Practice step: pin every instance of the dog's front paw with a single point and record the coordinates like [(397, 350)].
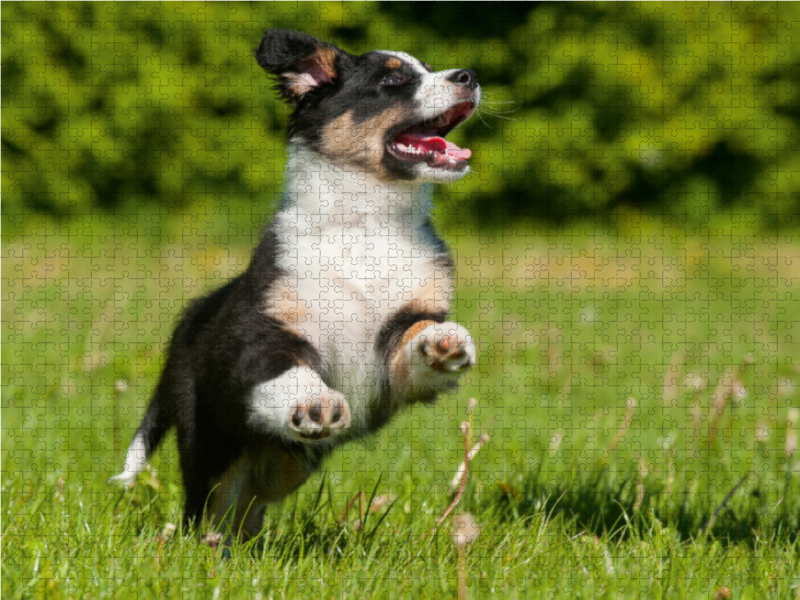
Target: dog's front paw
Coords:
[(440, 354), (448, 351), (318, 417)]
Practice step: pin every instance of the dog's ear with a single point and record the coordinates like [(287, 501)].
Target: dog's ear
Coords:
[(300, 62)]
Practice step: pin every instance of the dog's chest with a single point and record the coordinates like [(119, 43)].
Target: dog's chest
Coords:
[(344, 276)]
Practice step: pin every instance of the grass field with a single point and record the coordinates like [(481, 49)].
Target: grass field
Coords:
[(638, 384)]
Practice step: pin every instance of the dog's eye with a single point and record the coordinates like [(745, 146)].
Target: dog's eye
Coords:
[(394, 79)]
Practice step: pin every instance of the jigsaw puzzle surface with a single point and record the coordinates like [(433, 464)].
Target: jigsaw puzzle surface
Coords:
[(508, 308)]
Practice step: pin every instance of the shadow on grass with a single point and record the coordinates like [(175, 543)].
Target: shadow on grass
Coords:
[(607, 505), (319, 526)]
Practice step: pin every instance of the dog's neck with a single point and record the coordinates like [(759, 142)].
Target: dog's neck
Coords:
[(315, 186)]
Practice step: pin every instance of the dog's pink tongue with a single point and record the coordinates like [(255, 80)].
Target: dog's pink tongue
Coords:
[(453, 150), (433, 144)]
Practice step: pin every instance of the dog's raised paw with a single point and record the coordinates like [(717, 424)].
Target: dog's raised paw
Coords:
[(446, 348), (320, 416)]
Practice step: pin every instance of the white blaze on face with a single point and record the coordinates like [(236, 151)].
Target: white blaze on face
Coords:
[(436, 93)]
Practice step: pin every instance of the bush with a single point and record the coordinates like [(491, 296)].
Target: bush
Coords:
[(686, 109)]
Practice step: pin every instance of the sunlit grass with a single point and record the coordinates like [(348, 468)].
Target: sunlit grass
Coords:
[(638, 385)]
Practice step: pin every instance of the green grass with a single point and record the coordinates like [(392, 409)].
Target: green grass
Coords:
[(629, 378)]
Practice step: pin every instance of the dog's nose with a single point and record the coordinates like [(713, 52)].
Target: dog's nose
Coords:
[(465, 77)]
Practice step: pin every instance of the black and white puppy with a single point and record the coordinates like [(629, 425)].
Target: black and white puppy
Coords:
[(341, 318)]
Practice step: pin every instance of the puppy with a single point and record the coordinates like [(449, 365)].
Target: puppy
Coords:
[(341, 318)]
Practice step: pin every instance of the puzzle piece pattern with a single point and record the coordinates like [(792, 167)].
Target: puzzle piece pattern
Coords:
[(623, 362)]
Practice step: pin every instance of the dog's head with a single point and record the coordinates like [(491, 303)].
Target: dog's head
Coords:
[(383, 112)]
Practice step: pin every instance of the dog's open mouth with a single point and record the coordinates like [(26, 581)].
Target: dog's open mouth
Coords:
[(425, 142)]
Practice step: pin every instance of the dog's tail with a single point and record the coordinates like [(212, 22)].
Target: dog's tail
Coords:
[(155, 424)]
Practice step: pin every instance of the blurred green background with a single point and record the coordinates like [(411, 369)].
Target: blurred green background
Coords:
[(681, 110)]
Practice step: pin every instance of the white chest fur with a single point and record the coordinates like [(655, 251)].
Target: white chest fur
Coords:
[(353, 251)]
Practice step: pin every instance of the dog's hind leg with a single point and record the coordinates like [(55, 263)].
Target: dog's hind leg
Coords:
[(260, 476), (298, 406)]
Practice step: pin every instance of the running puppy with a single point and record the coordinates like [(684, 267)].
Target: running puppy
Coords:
[(341, 318)]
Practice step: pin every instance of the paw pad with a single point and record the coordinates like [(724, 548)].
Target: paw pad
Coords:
[(320, 417), (448, 352)]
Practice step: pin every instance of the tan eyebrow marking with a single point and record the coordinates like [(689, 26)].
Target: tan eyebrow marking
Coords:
[(393, 63)]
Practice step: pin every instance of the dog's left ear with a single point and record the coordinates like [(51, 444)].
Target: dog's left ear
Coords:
[(301, 62)]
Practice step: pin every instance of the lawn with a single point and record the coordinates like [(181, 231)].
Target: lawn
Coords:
[(637, 381)]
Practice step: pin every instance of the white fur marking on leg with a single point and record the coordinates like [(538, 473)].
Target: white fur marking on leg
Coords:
[(135, 460), (298, 405), (272, 402)]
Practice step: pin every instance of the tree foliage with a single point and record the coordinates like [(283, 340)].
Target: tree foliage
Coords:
[(685, 109)]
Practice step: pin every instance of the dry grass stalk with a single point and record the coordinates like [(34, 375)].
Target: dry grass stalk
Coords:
[(211, 539), (359, 496), (166, 534), (723, 593), (378, 503), (709, 525), (466, 429), (471, 406), (484, 439), (465, 531)]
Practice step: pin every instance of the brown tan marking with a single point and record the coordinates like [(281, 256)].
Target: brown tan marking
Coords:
[(324, 59), (228, 494), (283, 304), (264, 476), (399, 369), (346, 142), (393, 63)]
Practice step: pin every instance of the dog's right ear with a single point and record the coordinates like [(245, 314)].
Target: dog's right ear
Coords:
[(301, 62)]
